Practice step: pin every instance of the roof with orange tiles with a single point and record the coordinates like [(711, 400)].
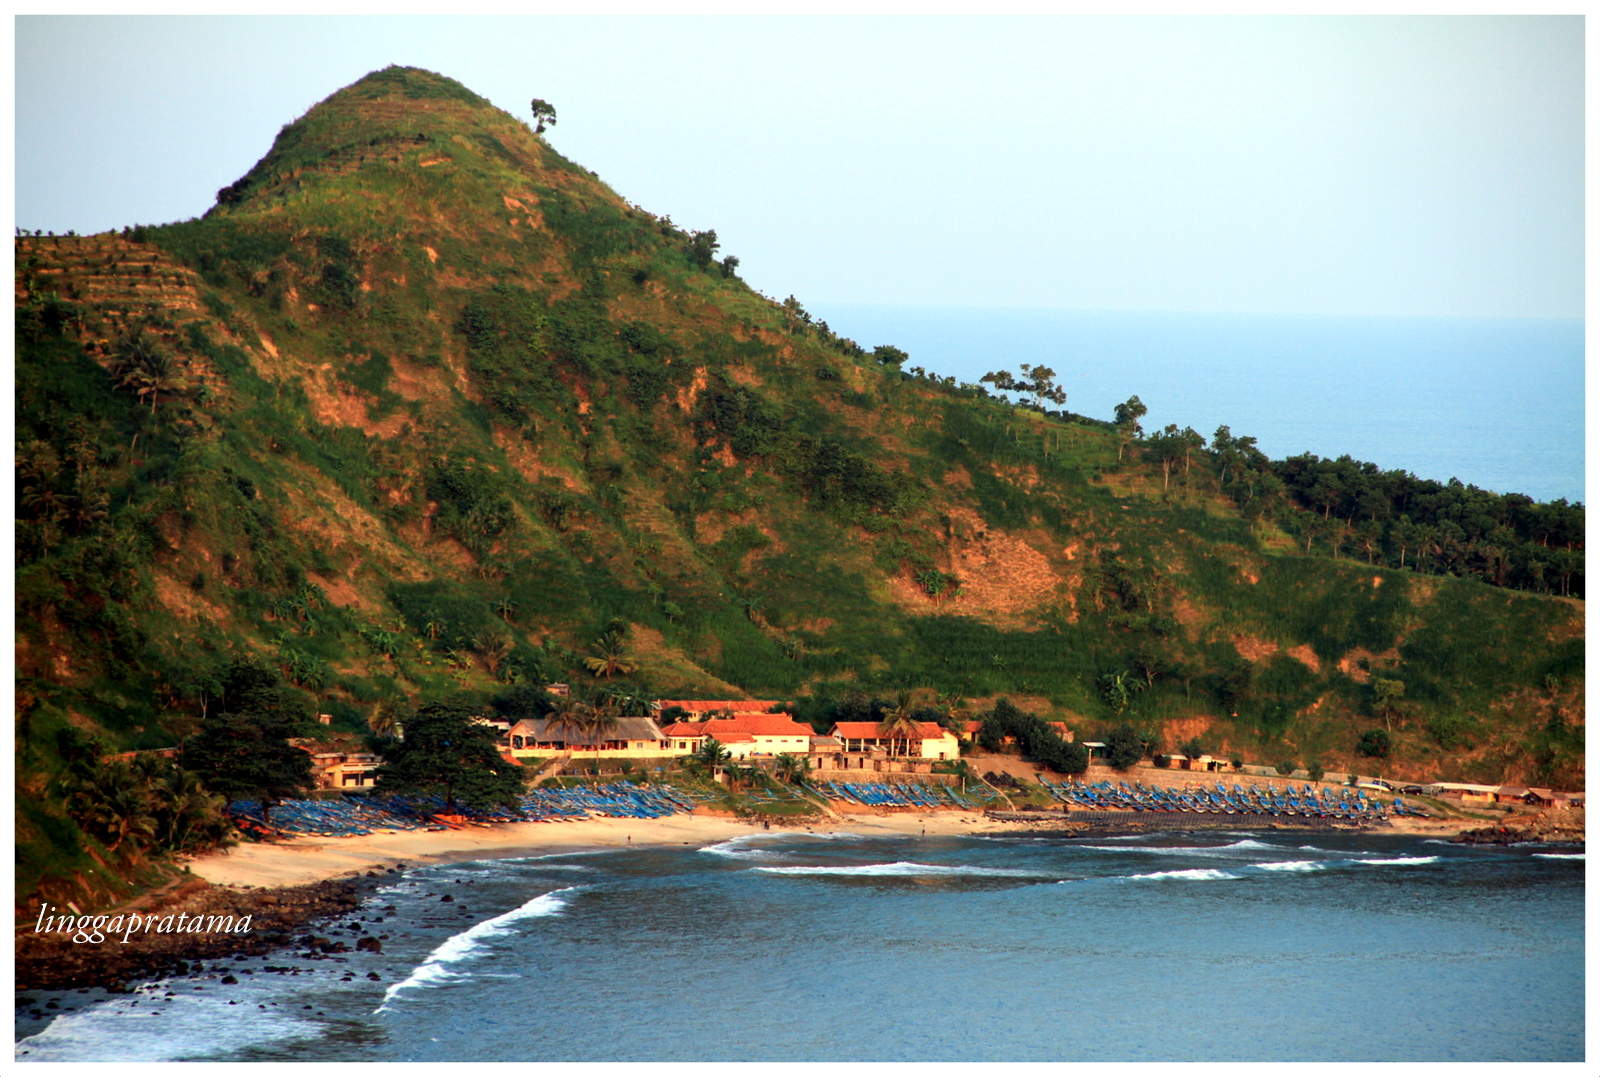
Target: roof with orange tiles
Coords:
[(874, 731), (741, 725)]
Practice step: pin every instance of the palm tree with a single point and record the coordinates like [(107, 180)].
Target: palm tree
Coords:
[(140, 363), (385, 719), (566, 714), (898, 723), (115, 804), (494, 646), (792, 768), (610, 657)]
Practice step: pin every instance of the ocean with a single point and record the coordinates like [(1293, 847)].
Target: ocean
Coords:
[(790, 946), (1494, 402)]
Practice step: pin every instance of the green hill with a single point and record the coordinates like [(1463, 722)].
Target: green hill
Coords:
[(431, 407)]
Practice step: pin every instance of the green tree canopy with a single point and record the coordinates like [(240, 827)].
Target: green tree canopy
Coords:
[(446, 753), (244, 752)]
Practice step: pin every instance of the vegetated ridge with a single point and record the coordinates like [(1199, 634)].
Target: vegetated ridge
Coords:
[(420, 406)]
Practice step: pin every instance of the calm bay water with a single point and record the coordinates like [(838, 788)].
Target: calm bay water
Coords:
[(1495, 402), (792, 946)]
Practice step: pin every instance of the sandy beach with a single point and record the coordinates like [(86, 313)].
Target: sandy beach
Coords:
[(308, 860), (315, 859)]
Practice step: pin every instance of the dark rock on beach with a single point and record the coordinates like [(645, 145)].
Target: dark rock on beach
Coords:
[(52, 961)]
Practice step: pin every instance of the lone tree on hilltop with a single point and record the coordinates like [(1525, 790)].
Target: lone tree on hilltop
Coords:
[(544, 115)]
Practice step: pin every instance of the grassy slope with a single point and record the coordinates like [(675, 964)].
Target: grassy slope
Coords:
[(449, 368)]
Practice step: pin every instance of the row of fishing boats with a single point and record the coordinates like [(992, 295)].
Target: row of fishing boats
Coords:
[(1307, 801), (902, 794), (356, 815)]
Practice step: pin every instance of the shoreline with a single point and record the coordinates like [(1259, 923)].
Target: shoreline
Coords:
[(287, 886), (311, 860)]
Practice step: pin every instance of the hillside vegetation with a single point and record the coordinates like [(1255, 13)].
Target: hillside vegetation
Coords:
[(421, 407)]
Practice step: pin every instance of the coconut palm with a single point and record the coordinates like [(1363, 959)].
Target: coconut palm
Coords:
[(115, 805), (140, 363), (494, 646), (898, 723), (610, 658)]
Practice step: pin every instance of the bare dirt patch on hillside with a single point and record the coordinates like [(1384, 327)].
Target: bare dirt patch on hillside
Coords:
[(184, 601), (1306, 656), (1002, 574), (1252, 649), (1359, 663)]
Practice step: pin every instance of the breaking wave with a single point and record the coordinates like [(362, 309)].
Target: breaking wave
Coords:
[(1559, 856), (459, 947), (904, 868), (1192, 874)]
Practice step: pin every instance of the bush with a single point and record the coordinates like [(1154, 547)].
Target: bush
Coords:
[(1285, 768), (1374, 744), (1159, 759), (1315, 769), (1124, 747)]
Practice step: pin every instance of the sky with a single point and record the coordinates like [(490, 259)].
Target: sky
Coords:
[(1287, 165)]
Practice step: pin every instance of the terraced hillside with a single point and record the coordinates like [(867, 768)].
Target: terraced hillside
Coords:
[(429, 408)]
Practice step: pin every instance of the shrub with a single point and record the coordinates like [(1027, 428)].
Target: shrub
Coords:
[(1315, 769), (1374, 744), (1286, 767)]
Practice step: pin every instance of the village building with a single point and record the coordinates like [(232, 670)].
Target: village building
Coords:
[(1468, 792), (929, 740), (339, 762), (744, 735), (620, 738)]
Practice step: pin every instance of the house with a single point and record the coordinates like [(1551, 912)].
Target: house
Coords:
[(343, 770), (1097, 749), (929, 740), (1547, 798), (1468, 792), (621, 738), (744, 735), (1511, 794)]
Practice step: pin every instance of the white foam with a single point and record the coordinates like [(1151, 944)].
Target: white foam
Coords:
[(1400, 860), (903, 868), (1194, 874), (1292, 865), (1184, 850), (1559, 856), (187, 1026), (459, 947)]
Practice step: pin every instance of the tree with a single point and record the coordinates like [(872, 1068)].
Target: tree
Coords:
[(1127, 416), (703, 248), (1193, 748), (1386, 693), (1124, 747), (139, 362), (1002, 381), (114, 805), (889, 355), (494, 645), (1118, 689), (711, 754), (1041, 383), (611, 654), (1374, 744), (446, 753), (544, 115), (247, 754), (899, 723)]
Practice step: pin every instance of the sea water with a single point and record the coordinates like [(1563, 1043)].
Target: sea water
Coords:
[(1494, 402), (785, 946)]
